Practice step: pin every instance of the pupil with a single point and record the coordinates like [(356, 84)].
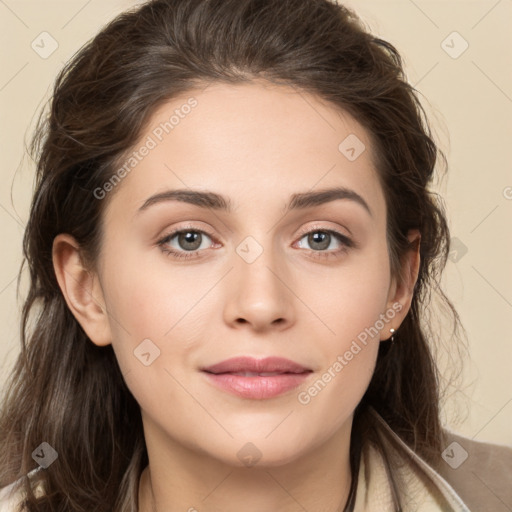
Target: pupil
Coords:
[(320, 238), (190, 238)]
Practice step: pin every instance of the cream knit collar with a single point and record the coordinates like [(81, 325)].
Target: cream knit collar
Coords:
[(424, 490)]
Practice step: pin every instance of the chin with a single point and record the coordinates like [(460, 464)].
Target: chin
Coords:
[(263, 453)]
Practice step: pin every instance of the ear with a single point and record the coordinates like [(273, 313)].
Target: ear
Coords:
[(401, 291), (81, 289)]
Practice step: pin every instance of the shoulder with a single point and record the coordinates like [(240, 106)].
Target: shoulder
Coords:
[(471, 475), (480, 472)]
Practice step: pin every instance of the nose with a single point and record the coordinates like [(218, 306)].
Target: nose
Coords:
[(259, 294)]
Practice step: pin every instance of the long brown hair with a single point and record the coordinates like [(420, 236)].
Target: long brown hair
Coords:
[(70, 393)]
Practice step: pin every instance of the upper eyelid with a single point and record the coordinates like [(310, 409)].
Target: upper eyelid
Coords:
[(318, 227)]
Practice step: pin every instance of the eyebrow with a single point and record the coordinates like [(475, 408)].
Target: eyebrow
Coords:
[(298, 201)]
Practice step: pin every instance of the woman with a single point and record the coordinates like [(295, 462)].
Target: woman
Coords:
[(231, 249)]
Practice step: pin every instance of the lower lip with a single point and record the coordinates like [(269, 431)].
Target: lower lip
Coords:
[(257, 388)]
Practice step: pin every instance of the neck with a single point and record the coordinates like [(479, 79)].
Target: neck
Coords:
[(179, 479)]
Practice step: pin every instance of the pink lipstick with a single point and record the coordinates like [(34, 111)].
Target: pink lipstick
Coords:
[(257, 379)]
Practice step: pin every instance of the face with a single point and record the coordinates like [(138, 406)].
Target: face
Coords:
[(254, 270)]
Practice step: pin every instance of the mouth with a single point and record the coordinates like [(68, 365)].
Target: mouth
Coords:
[(252, 374), (256, 379)]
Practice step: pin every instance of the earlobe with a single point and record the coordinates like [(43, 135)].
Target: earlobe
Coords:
[(401, 293), (81, 290)]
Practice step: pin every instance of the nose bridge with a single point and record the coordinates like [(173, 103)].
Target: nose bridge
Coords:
[(258, 294)]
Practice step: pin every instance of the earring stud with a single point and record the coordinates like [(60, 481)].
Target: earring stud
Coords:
[(392, 331)]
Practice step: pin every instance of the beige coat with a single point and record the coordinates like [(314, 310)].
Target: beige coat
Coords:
[(473, 476)]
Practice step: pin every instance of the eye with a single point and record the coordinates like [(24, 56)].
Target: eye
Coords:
[(185, 243), (322, 239)]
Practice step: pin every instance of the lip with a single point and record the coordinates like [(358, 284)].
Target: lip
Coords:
[(269, 377)]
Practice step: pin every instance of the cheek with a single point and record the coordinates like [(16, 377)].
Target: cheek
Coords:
[(354, 309), (350, 299), (145, 318), (330, 400), (157, 321), (146, 298), (348, 357), (143, 308)]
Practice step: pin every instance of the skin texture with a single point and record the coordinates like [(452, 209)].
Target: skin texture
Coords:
[(256, 144)]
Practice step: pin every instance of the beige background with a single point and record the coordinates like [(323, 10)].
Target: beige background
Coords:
[(468, 98)]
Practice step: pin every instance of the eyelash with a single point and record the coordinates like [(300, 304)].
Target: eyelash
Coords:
[(186, 255)]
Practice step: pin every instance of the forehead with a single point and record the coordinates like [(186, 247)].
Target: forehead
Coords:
[(253, 142)]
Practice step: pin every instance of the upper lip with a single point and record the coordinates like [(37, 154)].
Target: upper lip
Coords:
[(251, 364)]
